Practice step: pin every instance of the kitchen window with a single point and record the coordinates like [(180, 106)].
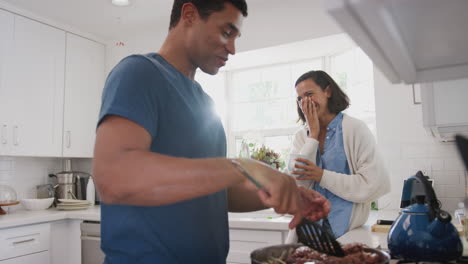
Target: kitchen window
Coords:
[(257, 104)]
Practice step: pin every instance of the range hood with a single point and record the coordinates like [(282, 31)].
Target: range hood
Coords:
[(413, 41)]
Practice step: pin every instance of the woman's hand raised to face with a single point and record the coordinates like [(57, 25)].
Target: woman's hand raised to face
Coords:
[(309, 109)]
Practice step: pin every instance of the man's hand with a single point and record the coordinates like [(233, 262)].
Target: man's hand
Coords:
[(309, 110), (280, 190), (310, 170), (314, 207), (282, 194)]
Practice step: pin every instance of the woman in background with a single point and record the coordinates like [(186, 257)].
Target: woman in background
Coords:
[(343, 164)]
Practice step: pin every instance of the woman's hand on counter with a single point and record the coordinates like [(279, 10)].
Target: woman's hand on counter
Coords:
[(309, 171)]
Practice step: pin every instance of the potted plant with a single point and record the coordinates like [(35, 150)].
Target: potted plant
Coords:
[(267, 156)]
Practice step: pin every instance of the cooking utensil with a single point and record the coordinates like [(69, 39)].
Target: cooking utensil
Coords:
[(248, 176), (312, 234), (319, 237)]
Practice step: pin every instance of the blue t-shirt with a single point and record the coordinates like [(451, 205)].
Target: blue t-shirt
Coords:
[(334, 159), (180, 118)]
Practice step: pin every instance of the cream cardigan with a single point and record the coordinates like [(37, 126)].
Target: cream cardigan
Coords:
[(369, 179)]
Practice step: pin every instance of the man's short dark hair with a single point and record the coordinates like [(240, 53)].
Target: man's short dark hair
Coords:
[(338, 100), (205, 8)]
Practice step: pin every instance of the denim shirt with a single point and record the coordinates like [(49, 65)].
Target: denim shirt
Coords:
[(334, 159)]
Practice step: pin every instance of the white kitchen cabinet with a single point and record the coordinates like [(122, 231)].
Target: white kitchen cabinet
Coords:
[(33, 89), (84, 81), (444, 107), (26, 244), (36, 258), (65, 242), (244, 241), (6, 37)]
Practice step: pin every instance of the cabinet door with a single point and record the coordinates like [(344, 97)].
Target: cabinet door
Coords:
[(84, 81), (24, 240), (6, 37), (35, 85), (37, 258)]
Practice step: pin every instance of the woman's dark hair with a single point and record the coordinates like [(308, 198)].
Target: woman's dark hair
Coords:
[(205, 8), (338, 100)]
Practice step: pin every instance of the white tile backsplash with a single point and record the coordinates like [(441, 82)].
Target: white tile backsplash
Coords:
[(415, 150), (454, 191), (24, 173), (448, 177), (400, 126), (454, 163), (85, 165)]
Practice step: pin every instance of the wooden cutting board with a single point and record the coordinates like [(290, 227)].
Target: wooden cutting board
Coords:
[(380, 228)]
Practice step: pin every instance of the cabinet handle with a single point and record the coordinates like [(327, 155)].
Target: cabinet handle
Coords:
[(4, 131), (23, 241), (68, 136), (15, 136), (91, 238)]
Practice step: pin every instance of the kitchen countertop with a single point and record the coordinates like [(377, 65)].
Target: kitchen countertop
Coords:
[(266, 220), (24, 217), (263, 220), (364, 235)]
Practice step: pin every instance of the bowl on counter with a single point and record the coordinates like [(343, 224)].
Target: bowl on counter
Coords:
[(37, 204)]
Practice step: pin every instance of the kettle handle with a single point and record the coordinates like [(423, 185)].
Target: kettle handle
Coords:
[(434, 207)]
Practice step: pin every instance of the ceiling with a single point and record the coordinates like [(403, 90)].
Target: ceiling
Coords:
[(270, 22), (100, 17)]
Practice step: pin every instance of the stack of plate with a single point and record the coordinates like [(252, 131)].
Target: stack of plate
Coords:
[(70, 204)]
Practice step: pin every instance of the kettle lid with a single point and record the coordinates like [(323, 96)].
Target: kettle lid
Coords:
[(416, 208)]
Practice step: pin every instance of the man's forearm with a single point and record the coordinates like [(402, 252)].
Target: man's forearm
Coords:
[(242, 199), (143, 178)]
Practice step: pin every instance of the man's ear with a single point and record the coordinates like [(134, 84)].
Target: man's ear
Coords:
[(189, 13)]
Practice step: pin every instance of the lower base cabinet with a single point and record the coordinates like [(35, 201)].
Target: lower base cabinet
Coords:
[(37, 258), (25, 244), (244, 241)]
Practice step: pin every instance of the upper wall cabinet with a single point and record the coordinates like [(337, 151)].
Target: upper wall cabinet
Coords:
[(50, 89), (33, 89), (84, 81), (414, 41), (444, 108), (6, 43)]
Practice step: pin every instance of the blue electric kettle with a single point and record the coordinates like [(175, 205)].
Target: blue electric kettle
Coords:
[(422, 231)]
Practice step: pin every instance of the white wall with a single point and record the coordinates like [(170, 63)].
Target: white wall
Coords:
[(407, 147)]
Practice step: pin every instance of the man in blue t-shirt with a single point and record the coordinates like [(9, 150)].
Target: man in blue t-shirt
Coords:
[(159, 161)]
